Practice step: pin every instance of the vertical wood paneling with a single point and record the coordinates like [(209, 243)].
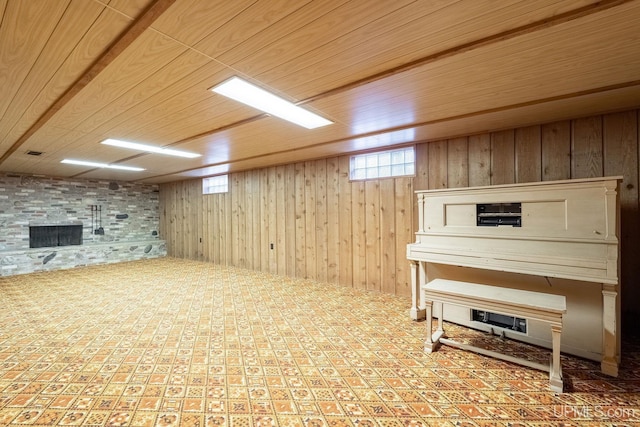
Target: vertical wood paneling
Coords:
[(586, 148), (457, 163), (372, 234), (252, 250), (226, 244), (310, 217), (235, 219), (181, 220), (214, 236), (301, 222), (256, 235), (479, 160), (264, 247), (503, 157), (207, 223), (200, 216), (403, 210), (326, 227), (333, 220), (437, 164), (322, 259), (280, 216), (345, 206), (358, 234), (528, 157), (620, 145), (290, 219), (421, 180), (192, 220), (556, 150), (387, 212), (271, 219)]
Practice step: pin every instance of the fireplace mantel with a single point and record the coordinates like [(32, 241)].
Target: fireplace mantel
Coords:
[(54, 223)]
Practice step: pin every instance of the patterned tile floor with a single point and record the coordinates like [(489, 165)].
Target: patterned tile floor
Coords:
[(171, 342)]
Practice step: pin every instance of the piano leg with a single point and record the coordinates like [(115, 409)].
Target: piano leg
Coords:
[(417, 311), (415, 290), (610, 337)]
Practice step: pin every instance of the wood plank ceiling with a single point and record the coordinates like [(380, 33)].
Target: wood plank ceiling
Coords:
[(75, 72)]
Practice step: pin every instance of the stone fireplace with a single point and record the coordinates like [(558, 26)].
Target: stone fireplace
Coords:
[(46, 235)]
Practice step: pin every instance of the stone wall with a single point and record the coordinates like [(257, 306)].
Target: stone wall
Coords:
[(120, 221)]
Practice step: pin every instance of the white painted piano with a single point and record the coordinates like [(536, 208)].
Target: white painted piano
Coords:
[(555, 237)]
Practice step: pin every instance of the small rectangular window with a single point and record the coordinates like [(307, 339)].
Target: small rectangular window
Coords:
[(383, 164), (215, 184)]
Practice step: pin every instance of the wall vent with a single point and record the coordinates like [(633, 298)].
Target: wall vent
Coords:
[(511, 323)]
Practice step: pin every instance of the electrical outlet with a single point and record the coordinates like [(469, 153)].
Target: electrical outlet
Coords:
[(271, 246)]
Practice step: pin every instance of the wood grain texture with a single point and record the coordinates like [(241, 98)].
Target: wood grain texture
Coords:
[(556, 150), (620, 134), (310, 197), (388, 258), (457, 163), (345, 218), (527, 151), (372, 235), (290, 219), (359, 234), (503, 157), (355, 233), (300, 221), (437, 166), (403, 212), (322, 235), (586, 147), (333, 220), (479, 160), (117, 48)]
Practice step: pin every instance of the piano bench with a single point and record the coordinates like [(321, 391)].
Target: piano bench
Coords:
[(539, 306)]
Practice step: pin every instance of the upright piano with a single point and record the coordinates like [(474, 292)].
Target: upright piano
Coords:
[(554, 237)]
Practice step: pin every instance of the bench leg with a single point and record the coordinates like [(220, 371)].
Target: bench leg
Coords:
[(440, 330), (555, 371), (431, 343)]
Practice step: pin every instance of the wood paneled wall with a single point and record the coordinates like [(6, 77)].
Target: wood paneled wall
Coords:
[(302, 220), (325, 227)]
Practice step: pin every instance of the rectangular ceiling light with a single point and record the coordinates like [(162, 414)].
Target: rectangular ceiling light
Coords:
[(247, 93), (149, 148), (100, 165)]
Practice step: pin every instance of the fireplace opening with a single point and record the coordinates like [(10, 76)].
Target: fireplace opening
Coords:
[(45, 236)]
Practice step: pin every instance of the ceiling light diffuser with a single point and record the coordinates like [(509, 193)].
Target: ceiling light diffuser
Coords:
[(256, 97), (149, 148), (101, 165)]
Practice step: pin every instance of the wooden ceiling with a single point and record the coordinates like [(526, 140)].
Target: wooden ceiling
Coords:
[(75, 72)]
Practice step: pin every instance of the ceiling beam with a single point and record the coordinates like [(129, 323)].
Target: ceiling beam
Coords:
[(475, 44), (139, 26), (594, 91), (466, 47)]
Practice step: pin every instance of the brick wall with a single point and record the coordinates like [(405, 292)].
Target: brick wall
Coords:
[(29, 199), (128, 213)]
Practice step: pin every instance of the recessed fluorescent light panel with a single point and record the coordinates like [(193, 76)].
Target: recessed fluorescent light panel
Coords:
[(149, 148), (252, 95), (100, 165)]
